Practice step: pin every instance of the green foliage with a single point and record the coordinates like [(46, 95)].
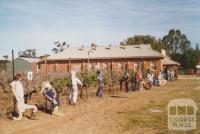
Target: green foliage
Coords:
[(176, 42), (156, 44), (91, 79), (60, 83), (189, 58)]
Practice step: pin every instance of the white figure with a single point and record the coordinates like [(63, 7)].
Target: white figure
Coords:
[(18, 91), (74, 89)]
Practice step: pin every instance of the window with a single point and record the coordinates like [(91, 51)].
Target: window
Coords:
[(77, 67), (105, 66), (93, 66), (55, 67), (152, 66), (98, 66), (39, 66), (90, 67), (136, 66), (120, 66)]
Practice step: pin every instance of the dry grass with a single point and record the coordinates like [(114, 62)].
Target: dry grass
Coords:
[(157, 121), (131, 114)]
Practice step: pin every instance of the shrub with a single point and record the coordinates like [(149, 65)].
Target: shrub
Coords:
[(60, 84)]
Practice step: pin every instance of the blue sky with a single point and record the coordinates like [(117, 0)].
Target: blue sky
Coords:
[(39, 23)]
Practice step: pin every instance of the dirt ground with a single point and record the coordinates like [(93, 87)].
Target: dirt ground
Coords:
[(110, 115)]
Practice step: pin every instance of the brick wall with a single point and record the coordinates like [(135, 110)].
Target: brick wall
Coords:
[(65, 66)]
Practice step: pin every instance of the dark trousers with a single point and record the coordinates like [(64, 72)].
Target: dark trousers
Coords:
[(99, 92), (136, 86)]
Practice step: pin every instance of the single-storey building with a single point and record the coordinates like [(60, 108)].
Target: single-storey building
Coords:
[(23, 65), (167, 61), (103, 57)]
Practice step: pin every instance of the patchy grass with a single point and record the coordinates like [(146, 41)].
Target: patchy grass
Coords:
[(134, 121)]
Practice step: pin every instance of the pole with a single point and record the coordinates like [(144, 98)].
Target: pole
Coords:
[(46, 66), (28, 92), (88, 61), (13, 73), (87, 71), (46, 78), (86, 85), (70, 69), (69, 65), (13, 64), (112, 79)]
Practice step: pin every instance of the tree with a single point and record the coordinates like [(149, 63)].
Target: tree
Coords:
[(5, 57), (175, 42), (30, 53), (156, 44), (59, 47)]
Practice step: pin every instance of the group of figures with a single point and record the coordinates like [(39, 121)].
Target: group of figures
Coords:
[(50, 94), (138, 81)]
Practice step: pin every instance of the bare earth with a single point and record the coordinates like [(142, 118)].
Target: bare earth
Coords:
[(99, 115)]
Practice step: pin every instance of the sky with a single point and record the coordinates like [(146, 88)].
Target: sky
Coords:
[(38, 24)]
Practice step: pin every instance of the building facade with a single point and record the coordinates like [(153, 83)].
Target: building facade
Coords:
[(116, 58), (23, 65)]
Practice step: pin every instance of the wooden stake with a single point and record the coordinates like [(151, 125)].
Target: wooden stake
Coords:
[(46, 66), (13, 71)]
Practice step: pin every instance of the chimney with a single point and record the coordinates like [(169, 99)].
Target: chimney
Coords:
[(93, 46), (110, 46), (81, 47), (123, 46), (163, 52)]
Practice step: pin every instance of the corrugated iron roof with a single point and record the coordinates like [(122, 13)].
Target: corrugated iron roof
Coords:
[(106, 52), (168, 61), (30, 60)]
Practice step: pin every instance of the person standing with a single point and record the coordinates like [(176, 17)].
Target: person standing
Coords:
[(100, 79), (138, 80), (74, 88), (18, 91), (126, 79)]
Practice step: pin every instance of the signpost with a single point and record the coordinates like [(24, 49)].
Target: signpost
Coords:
[(30, 76)]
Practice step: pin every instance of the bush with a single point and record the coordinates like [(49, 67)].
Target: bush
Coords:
[(60, 84), (91, 79)]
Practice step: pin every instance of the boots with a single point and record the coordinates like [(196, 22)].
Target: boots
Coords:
[(56, 112), (18, 118)]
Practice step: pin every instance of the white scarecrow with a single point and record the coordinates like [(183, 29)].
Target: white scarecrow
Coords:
[(18, 91), (74, 89)]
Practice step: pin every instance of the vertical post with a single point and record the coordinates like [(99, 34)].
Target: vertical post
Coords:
[(142, 63), (46, 105), (113, 90), (70, 65), (142, 67), (88, 61), (110, 83), (46, 66), (87, 72), (13, 73), (13, 64), (28, 93)]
